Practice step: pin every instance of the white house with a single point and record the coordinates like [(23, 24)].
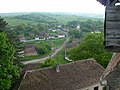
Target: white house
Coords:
[(60, 35), (37, 38), (54, 30)]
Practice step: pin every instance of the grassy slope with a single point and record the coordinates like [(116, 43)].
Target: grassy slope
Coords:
[(59, 58), (13, 21), (59, 18)]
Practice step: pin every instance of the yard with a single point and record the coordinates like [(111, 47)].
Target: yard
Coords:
[(55, 43)]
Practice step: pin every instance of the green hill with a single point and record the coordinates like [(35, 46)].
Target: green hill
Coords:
[(48, 18)]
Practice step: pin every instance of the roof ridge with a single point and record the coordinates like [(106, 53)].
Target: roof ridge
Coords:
[(90, 59), (76, 74)]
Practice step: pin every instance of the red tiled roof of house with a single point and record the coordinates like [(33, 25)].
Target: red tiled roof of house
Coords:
[(115, 60), (71, 76)]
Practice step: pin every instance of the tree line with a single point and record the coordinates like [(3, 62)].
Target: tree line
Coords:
[(9, 70)]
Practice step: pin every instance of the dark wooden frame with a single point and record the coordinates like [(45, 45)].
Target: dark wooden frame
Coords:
[(112, 27)]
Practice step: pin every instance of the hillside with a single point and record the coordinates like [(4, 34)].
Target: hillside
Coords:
[(50, 18)]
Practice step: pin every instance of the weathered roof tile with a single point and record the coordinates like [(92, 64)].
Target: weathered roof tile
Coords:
[(72, 76)]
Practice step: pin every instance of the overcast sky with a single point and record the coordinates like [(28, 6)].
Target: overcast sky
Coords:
[(79, 6)]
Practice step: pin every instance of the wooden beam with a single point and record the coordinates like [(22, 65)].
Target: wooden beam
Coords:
[(114, 2)]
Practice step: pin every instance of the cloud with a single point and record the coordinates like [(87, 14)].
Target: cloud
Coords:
[(82, 6)]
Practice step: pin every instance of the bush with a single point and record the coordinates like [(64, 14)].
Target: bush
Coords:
[(43, 48), (49, 62)]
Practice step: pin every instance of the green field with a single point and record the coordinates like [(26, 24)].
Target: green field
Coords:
[(57, 42), (13, 21), (59, 58), (46, 18), (28, 58)]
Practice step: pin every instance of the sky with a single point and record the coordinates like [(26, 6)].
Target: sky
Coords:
[(74, 6)]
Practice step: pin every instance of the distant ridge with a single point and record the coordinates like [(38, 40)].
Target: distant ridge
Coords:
[(54, 13), (13, 14)]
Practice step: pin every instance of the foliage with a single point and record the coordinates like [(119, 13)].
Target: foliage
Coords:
[(32, 24), (49, 62), (91, 25), (2, 24), (43, 47), (60, 57), (28, 58), (91, 47), (30, 31), (74, 33), (73, 24), (8, 72)]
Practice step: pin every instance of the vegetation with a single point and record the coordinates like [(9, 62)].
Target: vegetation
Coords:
[(12, 21), (60, 57), (32, 25), (75, 33), (91, 47), (43, 48), (56, 43), (8, 71), (30, 31), (3, 24), (28, 58), (49, 62)]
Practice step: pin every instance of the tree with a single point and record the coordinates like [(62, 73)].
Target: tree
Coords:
[(74, 33), (72, 24), (8, 71), (91, 47), (2, 24), (43, 48)]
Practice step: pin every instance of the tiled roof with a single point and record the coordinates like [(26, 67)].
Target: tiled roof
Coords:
[(72, 76), (30, 50), (115, 60), (113, 79)]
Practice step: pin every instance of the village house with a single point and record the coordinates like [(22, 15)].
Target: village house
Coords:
[(60, 35), (51, 37), (96, 31), (37, 38), (30, 50), (111, 76), (79, 75), (21, 38), (54, 30), (20, 54), (78, 27), (43, 35)]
